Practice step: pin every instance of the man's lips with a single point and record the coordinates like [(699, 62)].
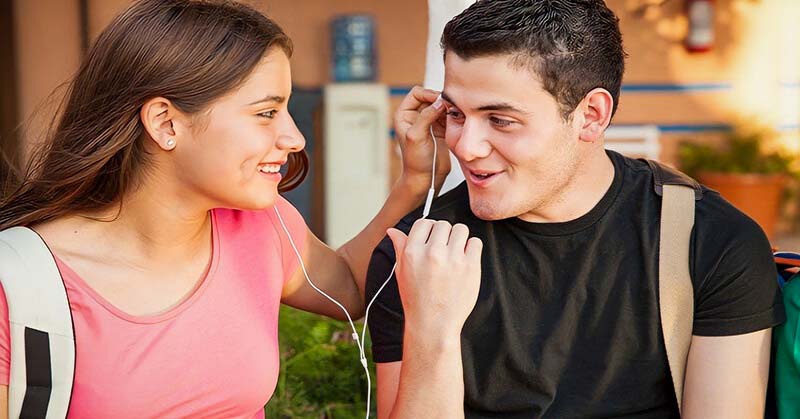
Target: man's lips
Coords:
[(481, 177)]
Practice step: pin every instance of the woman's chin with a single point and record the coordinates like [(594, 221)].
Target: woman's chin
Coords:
[(264, 203), (254, 203)]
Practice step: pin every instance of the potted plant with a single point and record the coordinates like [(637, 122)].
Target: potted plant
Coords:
[(744, 172)]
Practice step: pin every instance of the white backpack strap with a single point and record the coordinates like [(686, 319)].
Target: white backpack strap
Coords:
[(675, 292), (40, 320)]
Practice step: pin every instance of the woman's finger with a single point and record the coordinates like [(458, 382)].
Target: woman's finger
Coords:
[(416, 98), (420, 130)]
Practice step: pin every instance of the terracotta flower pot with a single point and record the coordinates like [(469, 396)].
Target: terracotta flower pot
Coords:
[(757, 195)]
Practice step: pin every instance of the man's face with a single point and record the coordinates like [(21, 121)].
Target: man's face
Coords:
[(516, 151)]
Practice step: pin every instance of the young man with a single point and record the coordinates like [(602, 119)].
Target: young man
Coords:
[(566, 323)]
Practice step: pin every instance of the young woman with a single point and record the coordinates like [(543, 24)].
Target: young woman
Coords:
[(157, 193)]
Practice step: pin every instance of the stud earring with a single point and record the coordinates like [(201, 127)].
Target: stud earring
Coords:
[(170, 143)]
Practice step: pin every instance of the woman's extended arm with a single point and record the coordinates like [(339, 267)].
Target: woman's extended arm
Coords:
[(342, 273)]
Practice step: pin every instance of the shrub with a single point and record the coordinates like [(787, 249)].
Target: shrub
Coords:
[(320, 376)]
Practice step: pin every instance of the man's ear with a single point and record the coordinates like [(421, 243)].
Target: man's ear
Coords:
[(159, 116), (596, 109)]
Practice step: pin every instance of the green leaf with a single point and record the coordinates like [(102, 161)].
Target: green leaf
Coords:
[(320, 375)]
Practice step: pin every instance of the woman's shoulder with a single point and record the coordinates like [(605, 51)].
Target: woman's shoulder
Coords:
[(67, 236)]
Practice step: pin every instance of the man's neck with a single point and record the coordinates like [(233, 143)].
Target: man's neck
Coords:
[(586, 188)]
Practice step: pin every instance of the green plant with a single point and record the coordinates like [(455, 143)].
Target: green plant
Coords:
[(742, 152), (320, 376)]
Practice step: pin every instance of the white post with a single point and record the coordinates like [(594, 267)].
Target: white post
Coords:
[(439, 13)]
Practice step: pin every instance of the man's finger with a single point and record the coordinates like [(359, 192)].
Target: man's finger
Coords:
[(474, 250), (458, 238), (440, 234), (420, 231), (399, 240)]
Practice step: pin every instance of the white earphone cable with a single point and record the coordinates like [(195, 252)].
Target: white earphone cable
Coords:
[(360, 340)]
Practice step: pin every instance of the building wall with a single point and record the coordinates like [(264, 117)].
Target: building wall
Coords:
[(750, 75), (48, 51), (752, 70), (8, 98)]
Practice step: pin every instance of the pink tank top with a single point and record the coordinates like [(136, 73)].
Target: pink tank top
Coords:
[(215, 355)]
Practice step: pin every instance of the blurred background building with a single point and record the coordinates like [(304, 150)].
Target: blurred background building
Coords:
[(697, 70), (710, 73)]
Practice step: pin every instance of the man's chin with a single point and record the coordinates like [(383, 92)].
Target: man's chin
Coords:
[(485, 210)]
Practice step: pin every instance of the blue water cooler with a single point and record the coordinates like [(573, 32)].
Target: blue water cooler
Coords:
[(353, 52)]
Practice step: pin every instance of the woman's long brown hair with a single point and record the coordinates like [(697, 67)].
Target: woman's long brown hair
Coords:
[(188, 51)]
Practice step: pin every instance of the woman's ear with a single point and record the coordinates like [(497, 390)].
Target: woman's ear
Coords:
[(158, 116), (597, 107)]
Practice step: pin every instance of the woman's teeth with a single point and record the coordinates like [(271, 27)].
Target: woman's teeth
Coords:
[(269, 168)]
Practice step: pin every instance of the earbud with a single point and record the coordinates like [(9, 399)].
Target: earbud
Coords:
[(432, 191)]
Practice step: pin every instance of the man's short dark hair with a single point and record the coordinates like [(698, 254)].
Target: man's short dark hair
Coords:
[(573, 46)]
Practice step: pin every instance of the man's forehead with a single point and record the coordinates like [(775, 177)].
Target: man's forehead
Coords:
[(493, 65), (488, 80)]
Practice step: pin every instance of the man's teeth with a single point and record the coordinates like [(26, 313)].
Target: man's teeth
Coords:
[(269, 168)]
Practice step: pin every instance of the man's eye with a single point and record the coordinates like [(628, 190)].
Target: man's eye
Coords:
[(501, 122)]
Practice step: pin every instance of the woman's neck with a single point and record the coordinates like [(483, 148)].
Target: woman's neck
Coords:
[(151, 223)]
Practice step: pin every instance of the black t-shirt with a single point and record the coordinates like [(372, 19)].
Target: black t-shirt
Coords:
[(567, 319)]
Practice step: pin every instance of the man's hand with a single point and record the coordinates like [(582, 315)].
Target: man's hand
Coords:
[(438, 275)]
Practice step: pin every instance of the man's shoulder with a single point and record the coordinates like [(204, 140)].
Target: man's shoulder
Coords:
[(712, 210), (717, 221), (715, 216)]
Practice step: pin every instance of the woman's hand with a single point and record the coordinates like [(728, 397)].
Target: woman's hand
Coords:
[(438, 276), (418, 112)]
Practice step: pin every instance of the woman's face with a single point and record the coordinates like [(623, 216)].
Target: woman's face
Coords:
[(236, 149)]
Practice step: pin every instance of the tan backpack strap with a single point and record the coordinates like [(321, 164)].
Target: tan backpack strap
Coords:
[(675, 292)]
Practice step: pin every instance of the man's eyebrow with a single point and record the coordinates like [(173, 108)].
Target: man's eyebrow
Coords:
[(276, 99), (498, 106), (447, 98)]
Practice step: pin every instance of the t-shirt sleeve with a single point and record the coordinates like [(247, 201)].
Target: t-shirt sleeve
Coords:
[(386, 320), (5, 340), (736, 291), (297, 228)]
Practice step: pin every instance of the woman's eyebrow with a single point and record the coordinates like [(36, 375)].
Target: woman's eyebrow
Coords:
[(276, 99)]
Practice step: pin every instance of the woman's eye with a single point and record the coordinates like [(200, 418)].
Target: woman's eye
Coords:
[(268, 114), (501, 122)]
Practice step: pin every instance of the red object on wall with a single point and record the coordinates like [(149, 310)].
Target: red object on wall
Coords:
[(700, 37)]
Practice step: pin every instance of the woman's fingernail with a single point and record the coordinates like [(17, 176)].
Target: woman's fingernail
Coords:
[(438, 103)]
